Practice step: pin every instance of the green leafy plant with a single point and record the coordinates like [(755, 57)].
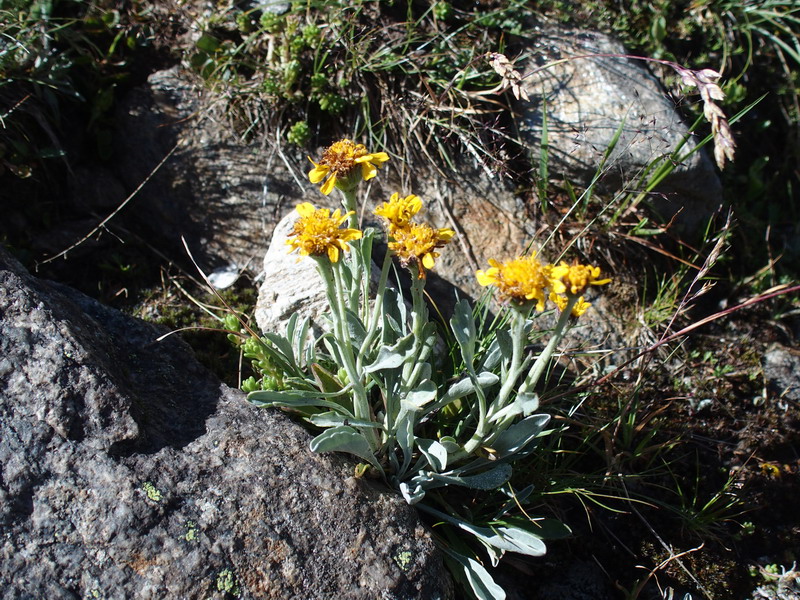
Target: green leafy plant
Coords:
[(374, 383)]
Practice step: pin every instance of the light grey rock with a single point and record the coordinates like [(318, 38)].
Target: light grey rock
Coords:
[(127, 471), (587, 99), (782, 372), (291, 284)]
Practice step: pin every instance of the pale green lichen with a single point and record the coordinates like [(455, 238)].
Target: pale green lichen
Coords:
[(226, 582), (191, 531), (403, 559), (151, 491)]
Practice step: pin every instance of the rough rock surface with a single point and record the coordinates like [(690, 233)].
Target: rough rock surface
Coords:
[(782, 372), (587, 99), (129, 472), (291, 283), (223, 195)]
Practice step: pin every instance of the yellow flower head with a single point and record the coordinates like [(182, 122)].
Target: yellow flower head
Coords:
[(399, 211), (576, 277), (560, 300), (520, 280), (417, 243), (318, 233), (340, 162)]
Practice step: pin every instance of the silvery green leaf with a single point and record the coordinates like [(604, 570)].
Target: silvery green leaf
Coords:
[(391, 357), (434, 452), (365, 246), (291, 325), (344, 439), (488, 480), (506, 537), (493, 355), (332, 347), (464, 387), (505, 342), (495, 554), (411, 493), (295, 398), (463, 325), (420, 396), (450, 444), (482, 584), (520, 438), (334, 419), (283, 345), (425, 371), (404, 428), (355, 328), (391, 324), (299, 336), (524, 404), (394, 311), (520, 540)]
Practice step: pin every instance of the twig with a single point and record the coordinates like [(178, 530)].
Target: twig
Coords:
[(102, 223)]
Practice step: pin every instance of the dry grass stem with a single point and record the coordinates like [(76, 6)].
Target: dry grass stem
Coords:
[(511, 79), (705, 80)]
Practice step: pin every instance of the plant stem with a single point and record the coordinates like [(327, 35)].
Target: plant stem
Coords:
[(516, 367), (419, 316), (541, 361), (332, 277)]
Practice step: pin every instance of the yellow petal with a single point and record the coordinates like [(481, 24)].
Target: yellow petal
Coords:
[(379, 157), (333, 253), (580, 307), (348, 235), (328, 186), (368, 170), (486, 277), (445, 235), (305, 209), (318, 173), (427, 261), (557, 286)]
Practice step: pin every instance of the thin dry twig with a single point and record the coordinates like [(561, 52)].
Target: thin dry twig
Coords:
[(116, 211)]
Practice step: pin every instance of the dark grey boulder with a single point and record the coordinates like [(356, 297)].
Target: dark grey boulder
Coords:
[(129, 472)]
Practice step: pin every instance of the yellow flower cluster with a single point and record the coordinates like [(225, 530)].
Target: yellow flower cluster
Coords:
[(526, 279), (398, 211), (412, 243), (340, 164), (318, 232)]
